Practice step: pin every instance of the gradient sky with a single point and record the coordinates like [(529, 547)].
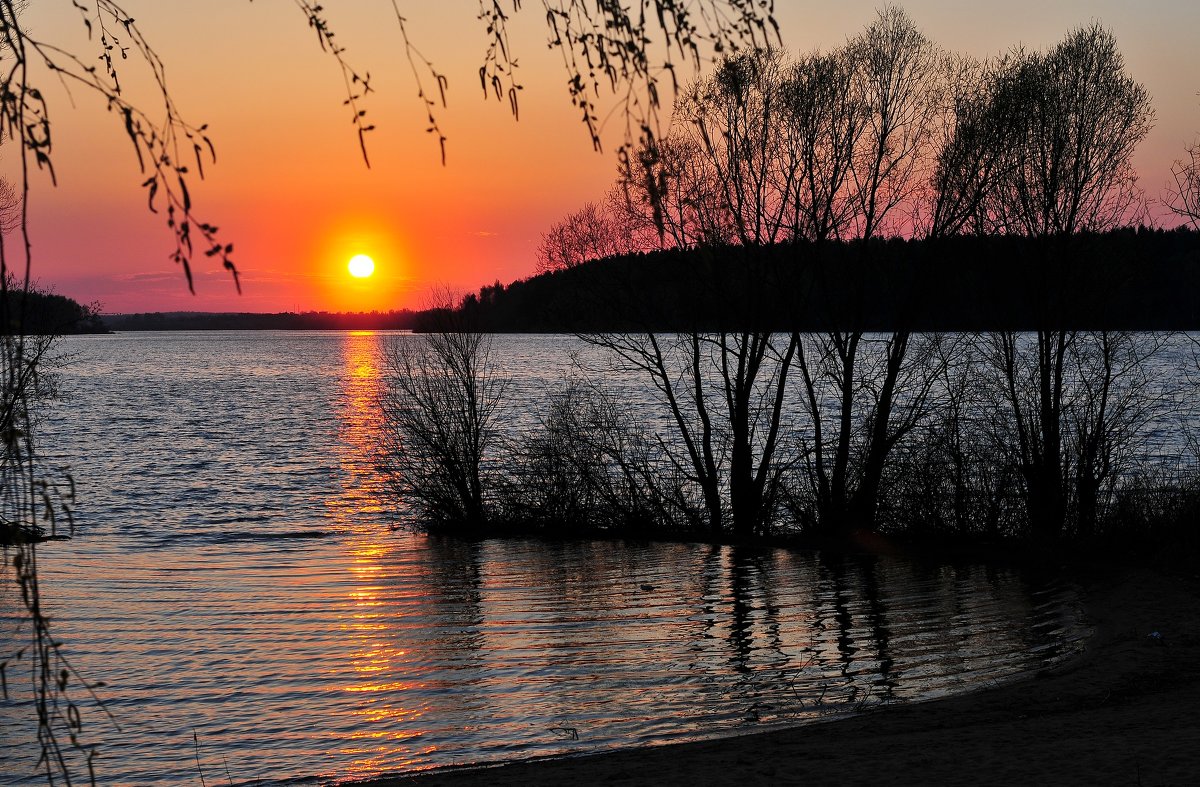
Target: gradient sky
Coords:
[(290, 190)]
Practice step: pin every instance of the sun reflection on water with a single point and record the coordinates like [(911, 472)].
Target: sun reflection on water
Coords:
[(362, 488), (385, 733)]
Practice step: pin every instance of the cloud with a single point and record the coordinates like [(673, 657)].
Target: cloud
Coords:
[(146, 278), (168, 277)]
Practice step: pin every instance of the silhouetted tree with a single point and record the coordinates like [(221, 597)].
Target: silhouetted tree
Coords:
[(724, 394), (826, 119), (888, 134), (1077, 119), (1031, 372), (955, 474), (590, 233), (674, 200), (440, 405), (1072, 443), (1184, 198), (895, 79), (1116, 399), (728, 175), (974, 137), (736, 119), (864, 395)]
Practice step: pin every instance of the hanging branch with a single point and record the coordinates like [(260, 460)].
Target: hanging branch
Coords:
[(606, 48), (497, 75), (419, 64), (357, 85), (166, 150)]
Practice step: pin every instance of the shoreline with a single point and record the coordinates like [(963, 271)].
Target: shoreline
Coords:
[(1122, 712)]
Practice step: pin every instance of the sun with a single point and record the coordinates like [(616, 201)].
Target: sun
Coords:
[(361, 266)]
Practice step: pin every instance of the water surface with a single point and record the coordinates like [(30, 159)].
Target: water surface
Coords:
[(236, 578)]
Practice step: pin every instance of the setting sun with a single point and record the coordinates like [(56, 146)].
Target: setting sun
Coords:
[(361, 266)]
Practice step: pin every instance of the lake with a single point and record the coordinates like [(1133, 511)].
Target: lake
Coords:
[(237, 584)]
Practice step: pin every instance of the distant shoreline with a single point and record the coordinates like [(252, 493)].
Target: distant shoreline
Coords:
[(1130, 280), (249, 321)]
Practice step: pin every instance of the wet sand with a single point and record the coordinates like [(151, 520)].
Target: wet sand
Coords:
[(1126, 712)]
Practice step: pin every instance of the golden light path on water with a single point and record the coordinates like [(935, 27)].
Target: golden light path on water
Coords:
[(386, 738)]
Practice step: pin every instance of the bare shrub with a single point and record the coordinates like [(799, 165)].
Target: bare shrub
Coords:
[(1157, 507), (953, 476), (591, 467), (440, 407)]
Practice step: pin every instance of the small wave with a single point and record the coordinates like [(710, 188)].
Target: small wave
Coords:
[(236, 520), (237, 536), (253, 536)]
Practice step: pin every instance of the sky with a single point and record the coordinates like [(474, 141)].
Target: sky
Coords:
[(289, 188)]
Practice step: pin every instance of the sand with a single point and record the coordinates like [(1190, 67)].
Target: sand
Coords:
[(1125, 712)]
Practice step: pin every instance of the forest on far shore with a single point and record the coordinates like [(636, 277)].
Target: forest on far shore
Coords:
[(36, 312), (1125, 279), (403, 319)]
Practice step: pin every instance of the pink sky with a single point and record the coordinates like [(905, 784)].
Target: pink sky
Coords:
[(289, 189)]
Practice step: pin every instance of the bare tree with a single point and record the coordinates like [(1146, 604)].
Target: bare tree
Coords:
[(736, 118), (865, 395), (953, 472), (725, 175), (440, 407), (956, 474), (973, 139), (590, 233), (764, 151), (1031, 372), (728, 174), (1078, 118), (673, 199), (1184, 197), (1072, 418), (724, 393), (895, 79), (1116, 400), (826, 120)]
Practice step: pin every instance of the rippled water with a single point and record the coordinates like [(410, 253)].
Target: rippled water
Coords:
[(235, 578)]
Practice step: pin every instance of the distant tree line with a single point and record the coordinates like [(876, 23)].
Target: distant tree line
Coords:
[(35, 312), (402, 319), (1122, 279)]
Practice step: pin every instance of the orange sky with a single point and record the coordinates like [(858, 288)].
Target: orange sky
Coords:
[(289, 189)]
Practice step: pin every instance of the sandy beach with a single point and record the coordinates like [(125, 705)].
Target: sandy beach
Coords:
[(1123, 713)]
